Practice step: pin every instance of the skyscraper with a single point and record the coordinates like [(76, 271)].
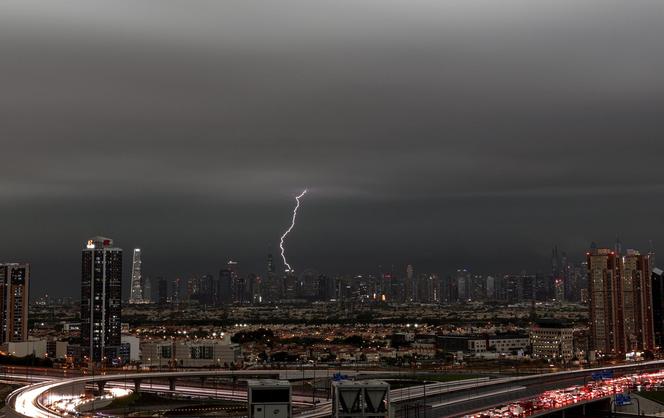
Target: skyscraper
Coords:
[(658, 306), (207, 293), (238, 283), (476, 287), (463, 283), (175, 293), (136, 293), (101, 292), (557, 282), (271, 286), (147, 290), (162, 290), (490, 287), (637, 317), (14, 286), (449, 291), (410, 285), (604, 280), (193, 287), (621, 311), (225, 286)]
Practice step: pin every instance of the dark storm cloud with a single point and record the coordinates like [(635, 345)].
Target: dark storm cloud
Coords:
[(445, 134)]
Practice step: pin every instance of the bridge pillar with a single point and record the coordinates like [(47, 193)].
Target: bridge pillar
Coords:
[(171, 383), (100, 385), (137, 385)]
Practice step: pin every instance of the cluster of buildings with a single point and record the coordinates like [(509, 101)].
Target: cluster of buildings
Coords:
[(101, 309), (100, 330), (548, 340), (624, 292), (188, 354), (567, 282)]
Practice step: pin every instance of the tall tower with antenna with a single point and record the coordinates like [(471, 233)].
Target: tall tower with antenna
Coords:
[(136, 294)]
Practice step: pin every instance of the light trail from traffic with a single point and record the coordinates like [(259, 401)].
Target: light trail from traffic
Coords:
[(563, 398)]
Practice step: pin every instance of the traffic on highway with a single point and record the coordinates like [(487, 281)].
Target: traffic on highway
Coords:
[(594, 390)]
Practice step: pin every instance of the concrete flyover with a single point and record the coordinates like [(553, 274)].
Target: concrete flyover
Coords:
[(484, 395), (448, 399), (457, 399), (31, 401)]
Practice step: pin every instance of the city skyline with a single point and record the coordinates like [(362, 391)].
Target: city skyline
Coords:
[(562, 279), (401, 270), (331, 209)]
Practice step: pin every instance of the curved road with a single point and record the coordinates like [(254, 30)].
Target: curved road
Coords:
[(434, 400)]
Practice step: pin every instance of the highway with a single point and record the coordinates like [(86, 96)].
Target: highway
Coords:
[(573, 396), (501, 391), (448, 399), (26, 400)]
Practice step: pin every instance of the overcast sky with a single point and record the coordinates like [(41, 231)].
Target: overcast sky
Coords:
[(445, 134)]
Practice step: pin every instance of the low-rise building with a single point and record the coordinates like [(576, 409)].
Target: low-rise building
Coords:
[(157, 353), (198, 353), (552, 341), (506, 343), (502, 343), (134, 346), (26, 348), (424, 349), (57, 349)]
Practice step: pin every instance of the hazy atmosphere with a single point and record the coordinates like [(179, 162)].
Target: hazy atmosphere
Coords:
[(465, 134)]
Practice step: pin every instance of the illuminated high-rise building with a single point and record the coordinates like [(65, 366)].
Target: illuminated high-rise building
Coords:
[(620, 298), (147, 290), (603, 282), (385, 287), (208, 291), (463, 284), (476, 287), (270, 288), (410, 284), (14, 286), (428, 288), (637, 317), (225, 286), (290, 284), (490, 287), (238, 284), (449, 292), (556, 286), (175, 292), (559, 289), (658, 306), (193, 287), (101, 292), (136, 291)]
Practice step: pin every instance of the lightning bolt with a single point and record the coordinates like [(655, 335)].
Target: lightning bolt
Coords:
[(292, 225)]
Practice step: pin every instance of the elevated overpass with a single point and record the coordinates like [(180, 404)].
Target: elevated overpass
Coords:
[(31, 401), (450, 399), (502, 391)]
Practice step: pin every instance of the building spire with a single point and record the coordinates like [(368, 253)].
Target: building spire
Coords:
[(618, 247)]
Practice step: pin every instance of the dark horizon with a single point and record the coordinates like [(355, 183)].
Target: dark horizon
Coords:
[(543, 269)]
